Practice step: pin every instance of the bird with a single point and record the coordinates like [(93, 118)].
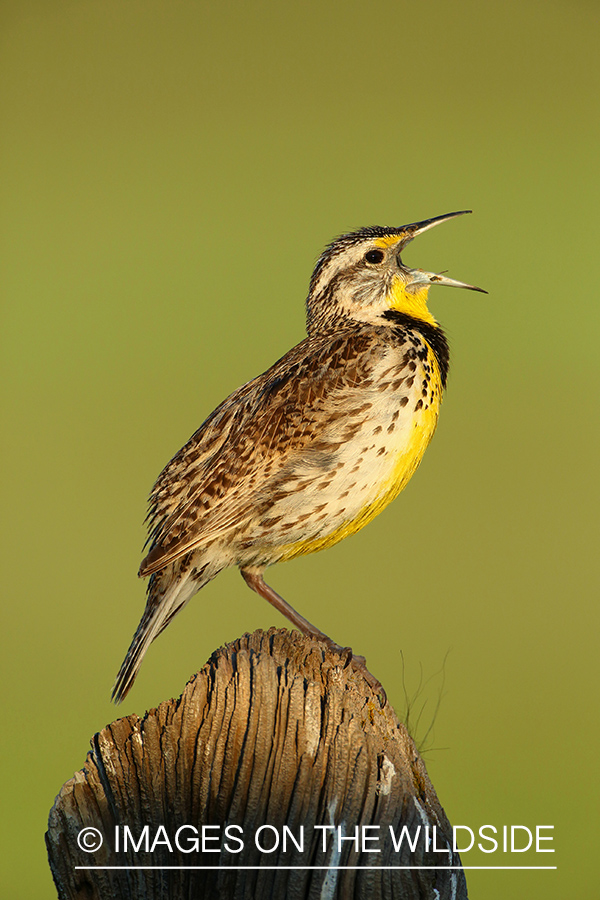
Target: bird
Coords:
[(313, 449)]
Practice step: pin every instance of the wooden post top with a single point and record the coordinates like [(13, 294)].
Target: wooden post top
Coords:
[(277, 757)]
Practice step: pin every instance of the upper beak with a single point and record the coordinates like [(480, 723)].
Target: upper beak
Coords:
[(419, 276)]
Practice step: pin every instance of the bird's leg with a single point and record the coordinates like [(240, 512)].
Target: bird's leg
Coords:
[(255, 581)]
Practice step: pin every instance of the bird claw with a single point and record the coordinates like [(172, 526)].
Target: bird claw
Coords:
[(376, 686), (360, 664)]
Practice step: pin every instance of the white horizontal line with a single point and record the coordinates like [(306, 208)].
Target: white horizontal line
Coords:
[(304, 868)]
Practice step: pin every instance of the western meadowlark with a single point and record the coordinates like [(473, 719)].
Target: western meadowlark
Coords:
[(310, 451)]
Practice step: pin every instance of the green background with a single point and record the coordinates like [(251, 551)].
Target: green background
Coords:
[(170, 172)]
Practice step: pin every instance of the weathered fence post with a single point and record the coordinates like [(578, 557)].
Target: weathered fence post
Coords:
[(274, 731)]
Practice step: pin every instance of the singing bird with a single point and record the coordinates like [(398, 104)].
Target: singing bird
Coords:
[(311, 450)]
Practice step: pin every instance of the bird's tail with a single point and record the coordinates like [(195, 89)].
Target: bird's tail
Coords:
[(166, 597)]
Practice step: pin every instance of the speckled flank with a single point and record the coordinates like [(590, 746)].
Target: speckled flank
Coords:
[(311, 450)]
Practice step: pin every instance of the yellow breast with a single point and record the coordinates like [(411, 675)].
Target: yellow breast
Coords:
[(404, 457)]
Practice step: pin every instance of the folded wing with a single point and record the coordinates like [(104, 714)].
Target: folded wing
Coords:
[(222, 475)]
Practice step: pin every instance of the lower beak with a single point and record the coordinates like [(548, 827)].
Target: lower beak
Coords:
[(419, 277)]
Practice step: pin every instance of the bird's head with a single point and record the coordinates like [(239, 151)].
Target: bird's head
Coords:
[(361, 276)]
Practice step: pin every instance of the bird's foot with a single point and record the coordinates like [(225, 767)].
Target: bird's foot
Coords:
[(360, 665)]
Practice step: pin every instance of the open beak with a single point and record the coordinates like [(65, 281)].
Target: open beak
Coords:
[(419, 276)]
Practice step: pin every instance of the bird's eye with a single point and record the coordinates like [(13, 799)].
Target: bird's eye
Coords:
[(374, 256)]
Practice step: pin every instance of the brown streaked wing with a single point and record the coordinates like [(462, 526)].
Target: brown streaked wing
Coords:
[(212, 485)]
